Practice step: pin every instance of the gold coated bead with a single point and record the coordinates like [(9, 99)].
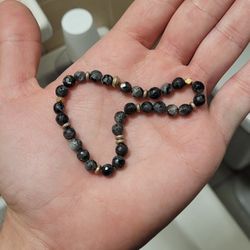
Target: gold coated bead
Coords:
[(188, 81), (138, 108), (87, 75), (193, 105), (66, 125), (145, 93), (119, 137), (120, 141), (59, 99), (116, 81), (98, 169)]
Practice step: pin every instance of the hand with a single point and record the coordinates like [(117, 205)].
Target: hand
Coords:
[(53, 203)]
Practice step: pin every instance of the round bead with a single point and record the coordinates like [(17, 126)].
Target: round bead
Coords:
[(147, 107), (185, 109), (137, 92), (154, 93), (130, 108), (62, 118), (58, 107), (107, 80), (160, 107), (90, 165), (80, 76), (107, 169), (117, 129), (75, 144), (178, 83), (118, 161), (69, 133), (199, 100), (61, 91), (166, 89), (120, 117), (198, 87), (121, 149), (83, 155), (126, 87), (69, 81), (172, 110), (95, 76)]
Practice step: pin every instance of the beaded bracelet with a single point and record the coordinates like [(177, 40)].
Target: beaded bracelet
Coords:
[(120, 117)]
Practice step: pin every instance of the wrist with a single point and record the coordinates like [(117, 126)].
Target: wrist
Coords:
[(14, 235)]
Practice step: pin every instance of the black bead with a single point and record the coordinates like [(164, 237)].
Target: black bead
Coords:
[(147, 107), (117, 129), (185, 109), (61, 91), (198, 87), (137, 92), (120, 117), (69, 133), (199, 100), (95, 76), (130, 108), (75, 144), (58, 107), (69, 81), (178, 83), (154, 93), (118, 161), (83, 155), (61, 119), (160, 107), (107, 169), (80, 76), (126, 87), (107, 80), (166, 89), (172, 110), (121, 149), (91, 165)]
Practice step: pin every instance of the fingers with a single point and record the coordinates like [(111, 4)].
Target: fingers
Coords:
[(19, 47), (146, 20), (232, 103), (190, 25), (224, 43)]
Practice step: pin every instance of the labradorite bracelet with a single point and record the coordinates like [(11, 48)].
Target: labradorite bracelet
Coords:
[(120, 117)]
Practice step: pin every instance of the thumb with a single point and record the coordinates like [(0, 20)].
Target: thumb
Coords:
[(19, 49)]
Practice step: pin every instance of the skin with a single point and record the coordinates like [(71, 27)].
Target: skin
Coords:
[(53, 203)]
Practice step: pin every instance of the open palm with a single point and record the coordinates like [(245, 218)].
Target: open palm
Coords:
[(50, 196)]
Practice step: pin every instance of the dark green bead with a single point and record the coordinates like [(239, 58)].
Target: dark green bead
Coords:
[(95, 76), (126, 87), (83, 155), (107, 80), (117, 129), (154, 93), (198, 87), (118, 161), (69, 133), (167, 89), (58, 107), (147, 107), (137, 92), (172, 110), (80, 76), (69, 81), (178, 83), (61, 91), (107, 169), (130, 108), (160, 107), (61, 119), (199, 100), (185, 109), (120, 117), (121, 149), (90, 165)]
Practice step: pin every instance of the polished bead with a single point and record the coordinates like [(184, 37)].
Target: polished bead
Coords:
[(137, 92), (107, 80), (61, 91), (198, 87), (58, 107), (130, 108), (185, 109), (117, 129), (95, 76), (69, 133), (166, 89), (199, 100), (107, 169), (125, 87), (69, 81), (160, 107), (154, 93), (83, 155), (121, 149), (75, 144), (118, 161), (62, 118), (172, 110), (116, 81), (178, 83), (147, 107), (90, 165), (80, 76), (120, 117)]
